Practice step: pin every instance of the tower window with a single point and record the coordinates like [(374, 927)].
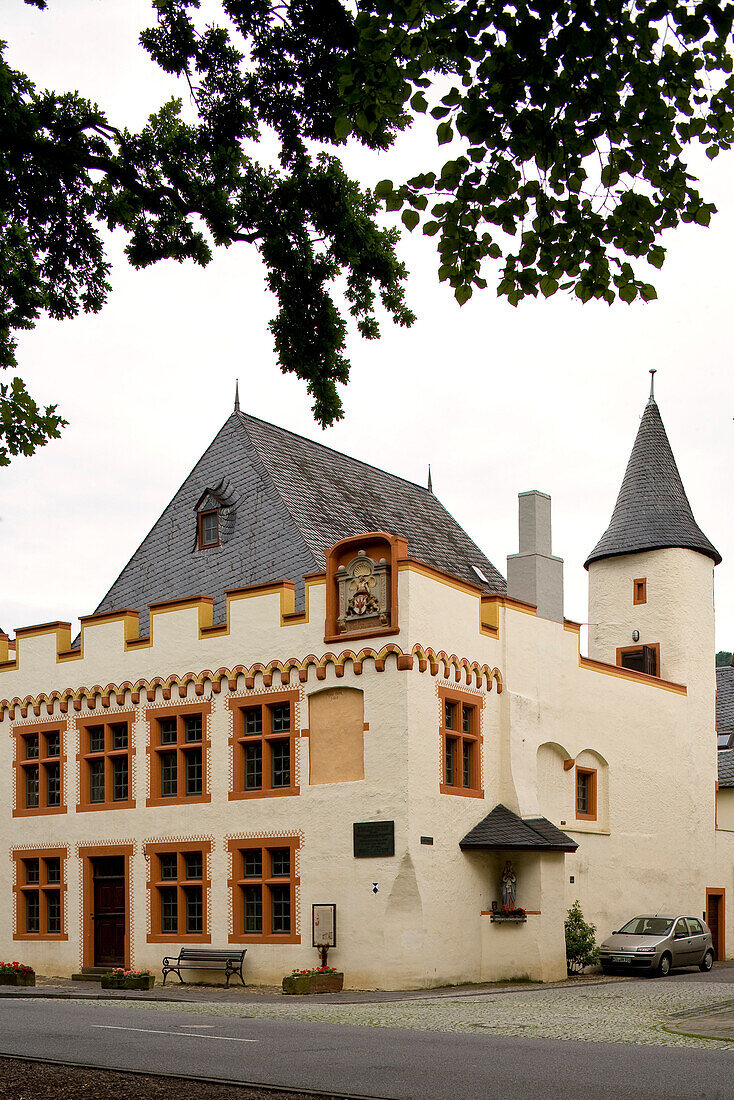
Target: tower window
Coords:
[(641, 658), (208, 529), (639, 591)]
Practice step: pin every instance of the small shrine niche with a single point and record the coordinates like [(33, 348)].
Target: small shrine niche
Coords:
[(363, 594)]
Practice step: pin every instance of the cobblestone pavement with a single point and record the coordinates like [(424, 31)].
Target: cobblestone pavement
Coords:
[(625, 1012)]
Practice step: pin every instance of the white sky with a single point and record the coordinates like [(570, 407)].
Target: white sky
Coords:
[(499, 400)]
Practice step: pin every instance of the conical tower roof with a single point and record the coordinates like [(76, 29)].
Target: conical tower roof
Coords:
[(652, 510)]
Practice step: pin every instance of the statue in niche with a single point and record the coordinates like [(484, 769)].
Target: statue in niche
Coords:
[(363, 587), (508, 885)]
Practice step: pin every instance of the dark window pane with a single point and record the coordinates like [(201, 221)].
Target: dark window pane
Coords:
[(466, 717), (209, 529), (192, 727), (280, 761), (253, 767), (96, 738), (168, 865), (31, 746), (53, 744), (253, 720), (253, 905), (252, 863), (449, 715), (194, 864), (169, 910), (32, 912), (32, 871), (53, 869), (451, 754), (53, 911), (119, 735), (582, 793), (280, 862), (96, 781), (280, 718), (194, 909), (280, 902), (169, 775), (168, 731), (53, 784), (194, 772), (31, 787), (466, 755), (119, 778)]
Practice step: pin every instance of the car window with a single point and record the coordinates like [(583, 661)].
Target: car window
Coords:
[(695, 926), (647, 926), (681, 928)]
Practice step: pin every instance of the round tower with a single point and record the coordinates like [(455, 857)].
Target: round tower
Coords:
[(651, 584)]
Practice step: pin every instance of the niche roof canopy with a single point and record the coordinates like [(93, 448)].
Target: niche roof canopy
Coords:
[(652, 510)]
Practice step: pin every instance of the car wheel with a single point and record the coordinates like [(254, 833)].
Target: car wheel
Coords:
[(607, 969), (664, 966), (707, 961)]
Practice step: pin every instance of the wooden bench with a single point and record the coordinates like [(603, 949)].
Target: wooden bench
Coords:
[(230, 960)]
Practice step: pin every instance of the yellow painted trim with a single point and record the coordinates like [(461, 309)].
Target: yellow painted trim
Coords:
[(629, 674), (410, 565)]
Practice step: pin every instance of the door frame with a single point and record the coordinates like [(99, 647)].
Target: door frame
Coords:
[(718, 892), (87, 853)]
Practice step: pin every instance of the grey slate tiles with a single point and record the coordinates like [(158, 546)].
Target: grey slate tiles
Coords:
[(289, 500), (652, 510), (503, 829), (725, 699), (726, 767)]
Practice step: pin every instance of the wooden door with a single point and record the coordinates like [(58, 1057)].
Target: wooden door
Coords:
[(109, 912), (715, 920)]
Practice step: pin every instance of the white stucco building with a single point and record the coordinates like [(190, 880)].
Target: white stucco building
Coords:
[(309, 686)]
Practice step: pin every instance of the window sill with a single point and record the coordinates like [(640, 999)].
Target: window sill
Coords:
[(172, 938), (466, 792), (40, 936), (586, 827), (179, 800), (291, 938), (277, 792), (43, 812), (92, 806)]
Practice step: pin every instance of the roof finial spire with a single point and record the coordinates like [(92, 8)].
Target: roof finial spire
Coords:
[(236, 395), (430, 483), (653, 372)]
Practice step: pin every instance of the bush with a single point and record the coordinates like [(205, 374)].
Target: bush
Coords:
[(581, 949)]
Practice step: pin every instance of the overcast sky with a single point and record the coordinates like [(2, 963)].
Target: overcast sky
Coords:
[(499, 400)]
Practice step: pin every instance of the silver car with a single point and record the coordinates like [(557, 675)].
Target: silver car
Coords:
[(654, 944)]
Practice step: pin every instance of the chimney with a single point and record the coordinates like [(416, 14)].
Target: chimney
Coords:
[(534, 575)]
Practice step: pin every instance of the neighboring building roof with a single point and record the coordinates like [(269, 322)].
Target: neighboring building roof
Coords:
[(503, 829), (288, 500), (652, 510), (726, 767), (725, 699)]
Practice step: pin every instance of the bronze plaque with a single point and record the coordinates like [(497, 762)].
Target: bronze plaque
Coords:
[(373, 838)]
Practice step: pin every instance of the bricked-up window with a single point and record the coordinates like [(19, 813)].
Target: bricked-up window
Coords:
[(263, 745), (39, 889), (460, 743), (39, 767), (208, 529), (105, 763), (586, 794), (178, 744), (263, 888), (179, 889), (639, 590)]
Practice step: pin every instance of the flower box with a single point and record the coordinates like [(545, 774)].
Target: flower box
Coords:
[(313, 981), (17, 977), (502, 918), (119, 979)]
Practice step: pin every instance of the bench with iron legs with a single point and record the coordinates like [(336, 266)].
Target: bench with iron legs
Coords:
[(230, 960)]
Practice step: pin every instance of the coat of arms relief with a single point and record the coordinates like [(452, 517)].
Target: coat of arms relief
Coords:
[(364, 589)]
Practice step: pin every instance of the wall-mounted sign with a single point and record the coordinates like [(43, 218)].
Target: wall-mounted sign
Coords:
[(324, 925), (374, 838)]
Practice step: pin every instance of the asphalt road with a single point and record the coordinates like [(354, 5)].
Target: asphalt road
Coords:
[(399, 1064)]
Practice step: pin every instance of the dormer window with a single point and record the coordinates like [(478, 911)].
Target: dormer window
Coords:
[(208, 529)]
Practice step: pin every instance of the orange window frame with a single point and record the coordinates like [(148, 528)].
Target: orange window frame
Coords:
[(639, 590), (156, 884), (240, 739), (22, 763), (472, 740), (41, 889), (155, 749), (238, 882), (622, 650), (108, 754), (591, 792)]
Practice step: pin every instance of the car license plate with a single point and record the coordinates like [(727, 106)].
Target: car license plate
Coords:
[(621, 959)]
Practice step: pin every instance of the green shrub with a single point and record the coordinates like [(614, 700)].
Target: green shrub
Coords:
[(581, 949)]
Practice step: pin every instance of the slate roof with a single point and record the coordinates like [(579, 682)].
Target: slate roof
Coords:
[(725, 699), (726, 767), (652, 509), (289, 500), (503, 829)]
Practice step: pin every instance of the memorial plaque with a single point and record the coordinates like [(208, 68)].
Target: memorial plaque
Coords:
[(374, 838)]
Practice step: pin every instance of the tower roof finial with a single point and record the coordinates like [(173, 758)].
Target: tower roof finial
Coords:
[(236, 395), (430, 483), (653, 372)]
